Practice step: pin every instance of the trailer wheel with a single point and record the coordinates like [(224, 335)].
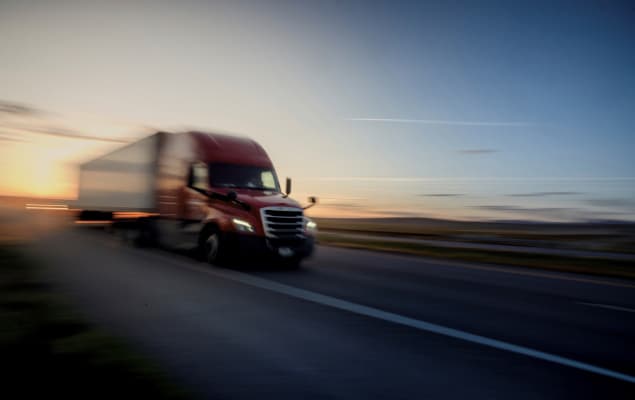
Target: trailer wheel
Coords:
[(146, 234), (210, 247)]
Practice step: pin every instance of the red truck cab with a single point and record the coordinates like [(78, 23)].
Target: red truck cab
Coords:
[(227, 201)]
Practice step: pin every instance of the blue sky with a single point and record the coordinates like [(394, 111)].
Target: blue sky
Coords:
[(520, 110)]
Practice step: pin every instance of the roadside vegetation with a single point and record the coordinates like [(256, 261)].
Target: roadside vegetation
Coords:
[(597, 236), (48, 350), (594, 266)]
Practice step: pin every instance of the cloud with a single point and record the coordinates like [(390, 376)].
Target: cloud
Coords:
[(467, 179), (521, 209), (59, 132), (544, 194), (74, 135), (11, 108), (477, 151), (444, 122), (4, 138), (612, 203), (24, 119), (441, 195)]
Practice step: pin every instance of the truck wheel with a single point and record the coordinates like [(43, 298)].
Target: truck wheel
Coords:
[(292, 263), (210, 247), (146, 234)]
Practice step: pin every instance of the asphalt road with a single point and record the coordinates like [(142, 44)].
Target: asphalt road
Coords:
[(356, 325)]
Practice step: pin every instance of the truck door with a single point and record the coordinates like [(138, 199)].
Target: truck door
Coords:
[(193, 203)]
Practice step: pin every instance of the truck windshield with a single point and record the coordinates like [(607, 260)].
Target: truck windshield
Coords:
[(243, 177)]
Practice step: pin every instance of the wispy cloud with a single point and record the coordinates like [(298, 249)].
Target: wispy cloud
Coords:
[(521, 209), (60, 132), (12, 108), (544, 194), (518, 124), (470, 179), (477, 151), (4, 138), (441, 195), (612, 203), (21, 119), (75, 135)]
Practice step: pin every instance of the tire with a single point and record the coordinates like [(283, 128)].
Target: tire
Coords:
[(210, 247), (292, 263), (146, 234)]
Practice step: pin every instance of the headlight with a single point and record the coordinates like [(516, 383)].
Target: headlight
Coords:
[(310, 227), (242, 225)]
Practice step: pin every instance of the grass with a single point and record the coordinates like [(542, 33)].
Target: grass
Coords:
[(582, 236), (48, 350), (595, 266)]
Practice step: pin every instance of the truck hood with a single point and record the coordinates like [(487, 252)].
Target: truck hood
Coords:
[(260, 199)]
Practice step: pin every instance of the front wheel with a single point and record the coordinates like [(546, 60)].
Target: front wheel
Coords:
[(292, 263), (211, 248)]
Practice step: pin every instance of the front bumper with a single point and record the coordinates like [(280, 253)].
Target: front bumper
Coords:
[(250, 246)]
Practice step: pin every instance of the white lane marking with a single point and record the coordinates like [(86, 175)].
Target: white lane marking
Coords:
[(372, 312), (607, 306)]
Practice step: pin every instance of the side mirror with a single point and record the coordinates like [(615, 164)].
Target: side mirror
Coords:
[(313, 200), (232, 196), (287, 190)]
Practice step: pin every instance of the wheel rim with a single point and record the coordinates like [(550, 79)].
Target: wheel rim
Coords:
[(211, 247)]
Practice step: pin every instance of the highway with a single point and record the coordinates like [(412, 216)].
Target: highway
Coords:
[(354, 324)]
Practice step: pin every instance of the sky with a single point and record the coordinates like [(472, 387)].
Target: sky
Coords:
[(444, 109)]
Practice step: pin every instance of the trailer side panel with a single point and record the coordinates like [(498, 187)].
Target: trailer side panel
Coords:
[(122, 180)]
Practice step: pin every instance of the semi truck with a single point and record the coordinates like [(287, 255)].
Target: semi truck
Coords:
[(216, 194)]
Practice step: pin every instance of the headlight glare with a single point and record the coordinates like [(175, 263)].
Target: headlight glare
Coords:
[(242, 226), (310, 226)]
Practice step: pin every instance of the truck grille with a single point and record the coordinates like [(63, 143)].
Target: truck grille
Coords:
[(283, 222)]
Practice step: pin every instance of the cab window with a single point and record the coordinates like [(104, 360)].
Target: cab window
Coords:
[(268, 180), (198, 176)]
